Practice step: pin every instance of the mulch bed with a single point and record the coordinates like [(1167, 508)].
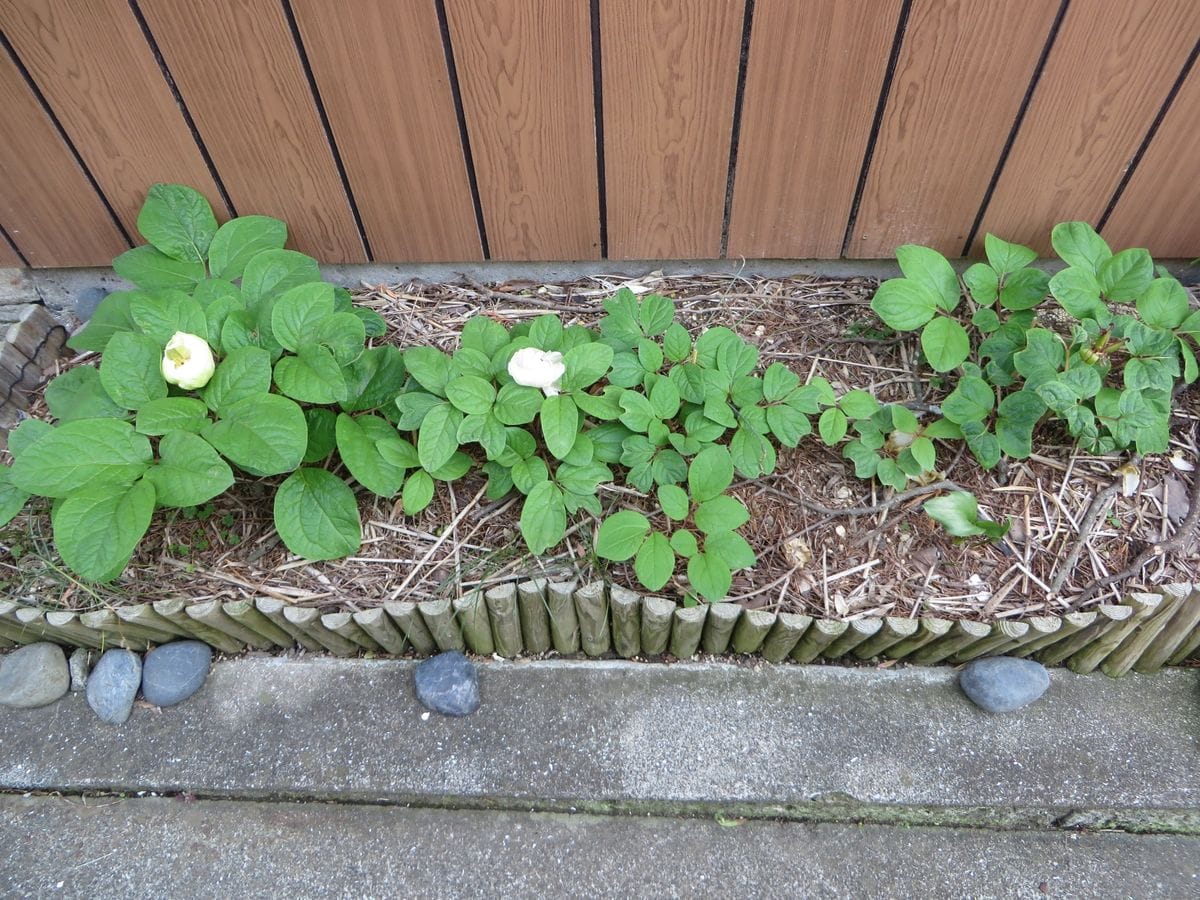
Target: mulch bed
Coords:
[(828, 544)]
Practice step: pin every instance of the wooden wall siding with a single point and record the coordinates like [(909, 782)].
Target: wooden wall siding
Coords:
[(381, 71), (47, 205), (806, 119), (99, 75), (1101, 90), (239, 73), (1160, 207), (525, 73), (8, 256), (670, 72), (963, 69)]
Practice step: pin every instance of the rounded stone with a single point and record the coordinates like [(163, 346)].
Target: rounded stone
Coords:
[(34, 675), (79, 665), (448, 684), (1003, 683), (173, 672), (113, 685)]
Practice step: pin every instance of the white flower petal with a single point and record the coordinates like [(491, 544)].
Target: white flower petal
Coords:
[(187, 361)]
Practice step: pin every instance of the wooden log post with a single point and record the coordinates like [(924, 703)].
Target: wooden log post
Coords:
[(37, 335), (1003, 633), (1068, 625), (1089, 658), (893, 630), (1184, 625), (1108, 616), (172, 609), (65, 628), (961, 635), (1036, 627), (591, 606), (928, 630), (383, 630), (718, 627), (343, 625), (246, 613), (752, 628), (1134, 646), (143, 614), (820, 635), (411, 625), (506, 621), (209, 612), (10, 628), (442, 624), (5, 643), (857, 632), (120, 633), (471, 610), (564, 623), (657, 613), (308, 620), (273, 608), (687, 626), (534, 615), (784, 635), (626, 610)]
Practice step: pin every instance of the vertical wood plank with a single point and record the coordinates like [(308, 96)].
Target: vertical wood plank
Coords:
[(8, 256), (670, 73), (50, 209), (806, 119), (1110, 70), (99, 75), (963, 70), (381, 70), (236, 65), (525, 74), (1158, 208)]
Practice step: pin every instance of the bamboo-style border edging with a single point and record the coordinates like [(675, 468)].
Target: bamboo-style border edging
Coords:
[(1143, 633)]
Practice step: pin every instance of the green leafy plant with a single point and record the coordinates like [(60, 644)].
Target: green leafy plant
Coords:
[(958, 513)]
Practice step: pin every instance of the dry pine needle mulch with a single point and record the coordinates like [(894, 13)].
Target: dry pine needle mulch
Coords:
[(828, 544)]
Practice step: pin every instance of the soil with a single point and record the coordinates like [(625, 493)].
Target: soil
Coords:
[(828, 544)]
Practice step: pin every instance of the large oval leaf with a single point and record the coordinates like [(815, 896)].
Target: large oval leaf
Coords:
[(97, 529), (543, 517), (316, 515), (263, 435), (240, 240), (358, 442), (131, 369), (945, 343), (178, 221), (560, 424), (82, 453), (189, 471)]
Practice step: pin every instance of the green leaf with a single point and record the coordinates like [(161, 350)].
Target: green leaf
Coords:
[(270, 273), (621, 535), (904, 305), (1126, 275), (655, 562), (737, 358), (343, 335), (924, 453), (778, 382), (677, 343), (1042, 357), (621, 327), (655, 314), (986, 449), (178, 221), (529, 473), (1024, 289), (472, 394), (709, 345), (437, 440), (585, 365), (111, 316), (240, 240), (483, 334), (131, 370), (316, 515), (788, 425), (732, 548), (516, 404), (710, 473), (262, 435), (418, 492), (721, 513), (189, 471), (1078, 291), (890, 474), (945, 344), (546, 332), (414, 406), (543, 518), (832, 426), (858, 404), (430, 367), (970, 401), (605, 406), (375, 379), (78, 394), (752, 454), (674, 501), (710, 576), (684, 543), (81, 453), (97, 529), (1018, 414), (26, 434), (160, 314), (958, 513), (12, 498), (664, 399), (152, 270), (184, 414), (322, 433), (983, 283), (297, 315), (374, 325), (560, 424), (1005, 257), (930, 270), (311, 376), (1078, 245), (1164, 303), (360, 441), (866, 460), (649, 355), (244, 372), (215, 316)]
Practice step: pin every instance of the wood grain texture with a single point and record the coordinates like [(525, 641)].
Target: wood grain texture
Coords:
[(381, 70), (806, 119), (1158, 209), (50, 209), (238, 71), (963, 69), (525, 74), (99, 75), (1111, 68), (8, 256), (670, 77)]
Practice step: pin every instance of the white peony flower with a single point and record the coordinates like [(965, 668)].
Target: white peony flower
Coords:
[(187, 361), (532, 367)]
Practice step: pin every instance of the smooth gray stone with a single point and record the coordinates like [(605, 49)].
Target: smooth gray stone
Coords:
[(448, 684), (113, 685), (173, 672), (79, 665), (33, 675), (1003, 683)]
